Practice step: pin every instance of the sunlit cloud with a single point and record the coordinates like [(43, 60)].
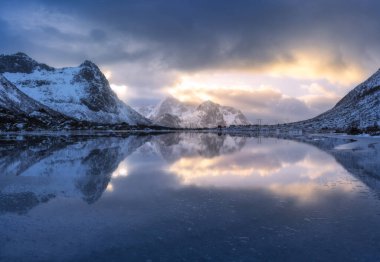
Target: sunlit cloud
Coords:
[(261, 101), (107, 74), (278, 49), (123, 91), (313, 65)]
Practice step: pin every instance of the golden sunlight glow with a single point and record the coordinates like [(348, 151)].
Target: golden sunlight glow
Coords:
[(120, 90), (304, 66), (198, 88), (108, 74), (316, 65)]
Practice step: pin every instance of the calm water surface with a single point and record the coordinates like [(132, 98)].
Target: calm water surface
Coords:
[(188, 197)]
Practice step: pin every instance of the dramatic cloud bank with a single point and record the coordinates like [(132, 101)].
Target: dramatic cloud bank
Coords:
[(284, 59)]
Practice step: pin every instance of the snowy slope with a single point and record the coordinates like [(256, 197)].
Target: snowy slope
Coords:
[(173, 113), (16, 108), (81, 92), (359, 108)]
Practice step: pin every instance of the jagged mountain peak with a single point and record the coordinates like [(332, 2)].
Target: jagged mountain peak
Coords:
[(173, 113), (208, 104), (89, 63), (170, 101), (90, 73), (169, 105), (91, 66), (170, 98), (21, 63), (81, 92), (21, 54)]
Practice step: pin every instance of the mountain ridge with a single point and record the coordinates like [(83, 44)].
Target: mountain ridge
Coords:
[(81, 92), (174, 113), (359, 108)]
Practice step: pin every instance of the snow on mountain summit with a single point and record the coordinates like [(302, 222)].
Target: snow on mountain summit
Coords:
[(80, 92), (173, 113)]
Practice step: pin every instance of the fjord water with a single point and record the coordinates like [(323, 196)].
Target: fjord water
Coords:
[(187, 197)]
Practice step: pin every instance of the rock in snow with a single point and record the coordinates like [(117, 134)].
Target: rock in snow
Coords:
[(173, 113), (80, 92)]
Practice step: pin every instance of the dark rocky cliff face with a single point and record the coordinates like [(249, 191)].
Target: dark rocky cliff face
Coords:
[(20, 63), (100, 95)]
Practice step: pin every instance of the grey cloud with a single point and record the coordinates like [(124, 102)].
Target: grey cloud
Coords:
[(145, 42), (192, 35), (98, 35), (267, 104)]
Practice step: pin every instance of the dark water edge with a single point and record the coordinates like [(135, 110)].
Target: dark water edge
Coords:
[(187, 197)]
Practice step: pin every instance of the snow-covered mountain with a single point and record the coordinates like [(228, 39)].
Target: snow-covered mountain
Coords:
[(80, 92), (173, 113), (359, 108), (19, 111)]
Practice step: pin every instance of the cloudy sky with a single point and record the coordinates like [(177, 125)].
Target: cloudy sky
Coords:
[(275, 60)]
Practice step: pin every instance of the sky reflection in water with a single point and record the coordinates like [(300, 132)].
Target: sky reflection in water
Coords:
[(185, 197)]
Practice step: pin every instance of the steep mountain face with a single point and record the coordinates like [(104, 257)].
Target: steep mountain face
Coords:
[(168, 120), (19, 111), (207, 114), (80, 92), (359, 108), (171, 106), (171, 112)]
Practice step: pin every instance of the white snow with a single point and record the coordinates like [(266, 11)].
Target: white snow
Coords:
[(191, 116), (58, 90)]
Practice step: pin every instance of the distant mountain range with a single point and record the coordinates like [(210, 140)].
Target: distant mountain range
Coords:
[(173, 113), (36, 96), (35, 91)]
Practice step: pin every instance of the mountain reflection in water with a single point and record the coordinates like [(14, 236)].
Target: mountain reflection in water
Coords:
[(202, 196)]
